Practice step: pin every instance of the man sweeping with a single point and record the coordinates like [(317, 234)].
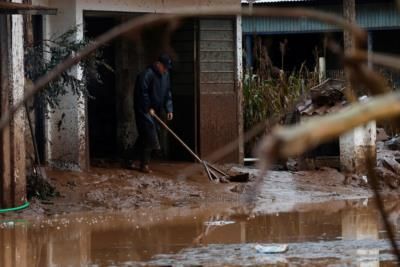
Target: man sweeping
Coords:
[(152, 95)]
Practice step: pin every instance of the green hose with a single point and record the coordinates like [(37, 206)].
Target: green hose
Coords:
[(15, 208)]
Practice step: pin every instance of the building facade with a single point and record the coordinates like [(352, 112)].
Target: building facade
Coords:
[(206, 82)]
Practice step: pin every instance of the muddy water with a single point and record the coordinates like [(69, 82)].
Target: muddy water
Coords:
[(339, 233)]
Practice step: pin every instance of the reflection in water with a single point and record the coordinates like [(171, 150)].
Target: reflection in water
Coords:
[(14, 244), (362, 224), (112, 238)]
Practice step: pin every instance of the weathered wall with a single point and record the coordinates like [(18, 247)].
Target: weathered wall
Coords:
[(354, 145), (12, 140), (66, 146)]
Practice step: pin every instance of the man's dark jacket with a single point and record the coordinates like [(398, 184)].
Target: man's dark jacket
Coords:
[(152, 90)]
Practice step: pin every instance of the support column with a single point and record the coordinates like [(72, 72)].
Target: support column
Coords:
[(249, 53), (355, 145), (349, 12), (12, 140), (239, 85), (362, 140), (66, 127), (370, 48)]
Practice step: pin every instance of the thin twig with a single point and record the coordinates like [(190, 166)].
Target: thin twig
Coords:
[(374, 184), (294, 140), (135, 25)]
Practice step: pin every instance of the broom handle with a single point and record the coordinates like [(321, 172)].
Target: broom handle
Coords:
[(177, 138)]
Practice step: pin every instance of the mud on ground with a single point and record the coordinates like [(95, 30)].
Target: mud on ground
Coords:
[(115, 188)]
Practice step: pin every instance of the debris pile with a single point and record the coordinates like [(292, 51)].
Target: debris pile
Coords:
[(324, 98), (388, 158)]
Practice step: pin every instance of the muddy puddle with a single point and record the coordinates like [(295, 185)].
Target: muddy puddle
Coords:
[(336, 233)]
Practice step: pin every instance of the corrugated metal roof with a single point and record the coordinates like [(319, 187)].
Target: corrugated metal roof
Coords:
[(369, 16)]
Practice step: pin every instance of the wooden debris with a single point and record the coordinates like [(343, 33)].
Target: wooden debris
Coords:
[(328, 93), (388, 177), (391, 164)]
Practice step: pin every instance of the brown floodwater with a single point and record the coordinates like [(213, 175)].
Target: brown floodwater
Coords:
[(336, 233)]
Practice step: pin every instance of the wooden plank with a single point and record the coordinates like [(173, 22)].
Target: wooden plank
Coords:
[(226, 35), (5, 157), (391, 164), (216, 24), (210, 87), (25, 9), (349, 12), (218, 66), (217, 46), (223, 77), (217, 56), (219, 121), (218, 99)]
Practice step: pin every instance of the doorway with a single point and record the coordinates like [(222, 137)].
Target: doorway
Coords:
[(101, 103), (112, 127)]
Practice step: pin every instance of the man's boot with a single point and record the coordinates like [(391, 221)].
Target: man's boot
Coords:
[(145, 168)]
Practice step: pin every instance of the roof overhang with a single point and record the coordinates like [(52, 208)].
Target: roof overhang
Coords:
[(270, 1), (25, 9)]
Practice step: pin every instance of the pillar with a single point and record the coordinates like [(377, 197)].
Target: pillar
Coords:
[(321, 69), (249, 53), (239, 86), (370, 48), (66, 125), (12, 139), (354, 146), (349, 13)]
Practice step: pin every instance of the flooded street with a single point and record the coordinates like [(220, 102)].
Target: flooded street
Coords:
[(336, 233)]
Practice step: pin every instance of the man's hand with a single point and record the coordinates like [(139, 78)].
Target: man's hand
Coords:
[(152, 112), (170, 116)]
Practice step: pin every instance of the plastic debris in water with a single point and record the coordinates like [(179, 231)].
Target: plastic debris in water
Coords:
[(365, 179), (273, 248), (219, 223)]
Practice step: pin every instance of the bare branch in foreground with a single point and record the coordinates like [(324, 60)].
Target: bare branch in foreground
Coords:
[(385, 60), (374, 184), (292, 141), (135, 25)]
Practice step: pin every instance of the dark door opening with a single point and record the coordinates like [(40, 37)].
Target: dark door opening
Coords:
[(37, 27), (299, 49), (112, 127), (183, 88), (102, 104)]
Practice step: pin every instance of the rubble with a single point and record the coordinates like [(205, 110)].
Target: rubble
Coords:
[(394, 143), (381, 135)]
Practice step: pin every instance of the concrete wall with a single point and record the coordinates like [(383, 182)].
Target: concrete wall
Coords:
[(66, 126)]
